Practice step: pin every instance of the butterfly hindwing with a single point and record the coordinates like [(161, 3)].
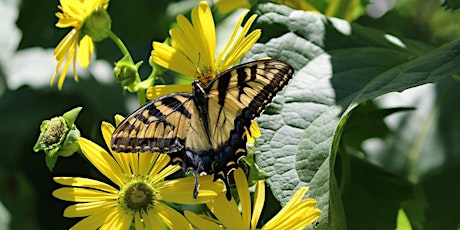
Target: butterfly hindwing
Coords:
[(159, 126)]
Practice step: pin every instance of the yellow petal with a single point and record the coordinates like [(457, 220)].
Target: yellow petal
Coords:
[(89, 6), (259, 198), (161, 90), (90, 208), (185, 40), (69, 58), (240, 49), (255, 131), (243, 193), (172, 218), (138, 223), (118, 219), (201, 223), (118, 119), (227, 6), (85, 182), (56, 71), (74, 9), (65, 45), (297, 213), (91, 222), (83, 194), (122, 159), (230, 41), (172, 59), (85, 49), (203, 23), (103, 161), (227, 212), (145, 162), (107, 130), (151, 220), (181, 190), (297, 197), (66, 22), (163, 173), (297, 217)]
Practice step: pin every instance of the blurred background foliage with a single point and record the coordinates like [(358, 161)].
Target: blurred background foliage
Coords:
[(418, 123)]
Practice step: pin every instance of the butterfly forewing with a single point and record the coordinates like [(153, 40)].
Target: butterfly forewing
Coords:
[(243, 92), (159, 126)]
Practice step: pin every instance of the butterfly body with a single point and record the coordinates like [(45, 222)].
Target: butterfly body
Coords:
[(205, 131)]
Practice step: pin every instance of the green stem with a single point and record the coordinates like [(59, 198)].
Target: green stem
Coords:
[(140, 91), (119, 43), (141, 97)]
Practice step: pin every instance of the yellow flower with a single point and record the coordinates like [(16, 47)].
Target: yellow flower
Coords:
[(193, 46), (76, 45), (142, 194), (297, 213)]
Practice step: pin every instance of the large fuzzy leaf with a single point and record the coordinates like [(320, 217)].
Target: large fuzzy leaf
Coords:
[(338, 65)]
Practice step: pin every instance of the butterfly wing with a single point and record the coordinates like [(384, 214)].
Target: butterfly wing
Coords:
[(160, 126), (235, 98)]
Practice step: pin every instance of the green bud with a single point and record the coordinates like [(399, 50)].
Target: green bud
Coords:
[(58, 137), (97, 25), (126, 72)]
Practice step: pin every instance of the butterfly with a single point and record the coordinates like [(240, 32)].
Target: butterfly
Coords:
[(205, 131)]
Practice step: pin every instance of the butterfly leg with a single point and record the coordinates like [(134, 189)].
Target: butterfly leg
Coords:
[(194, 165), (197, 185)]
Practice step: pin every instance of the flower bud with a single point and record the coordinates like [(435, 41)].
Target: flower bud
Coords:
[(97, 25), (58, 137), (125, 71)]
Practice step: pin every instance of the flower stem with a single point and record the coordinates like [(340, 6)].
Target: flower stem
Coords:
[(140, 90), (119, 43), (141, 97)]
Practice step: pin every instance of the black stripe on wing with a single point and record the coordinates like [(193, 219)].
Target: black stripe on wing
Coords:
[(159, 126), (250, 86)]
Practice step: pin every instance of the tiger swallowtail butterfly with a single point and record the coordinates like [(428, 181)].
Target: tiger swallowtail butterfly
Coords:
[(205, 131)]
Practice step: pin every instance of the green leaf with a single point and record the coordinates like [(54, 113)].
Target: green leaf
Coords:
[(338, 66), (366, 121), (451, 4), (71, 116), (403, 222), (372, 192), (427, 149)]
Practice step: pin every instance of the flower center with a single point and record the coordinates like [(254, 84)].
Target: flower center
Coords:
[(205, 76), (138, 195), (54, 132)]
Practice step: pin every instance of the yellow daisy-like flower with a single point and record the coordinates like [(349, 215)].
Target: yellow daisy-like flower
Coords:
[(297, 214), (142, 194), (75, 45), (193, 46)]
